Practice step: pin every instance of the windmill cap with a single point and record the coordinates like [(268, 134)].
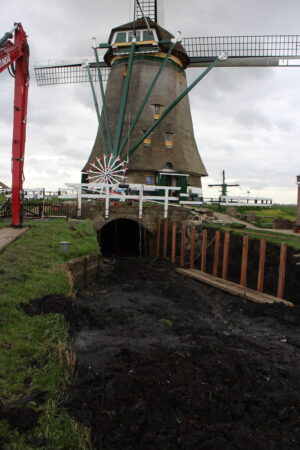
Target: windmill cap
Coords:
[(162, 34)]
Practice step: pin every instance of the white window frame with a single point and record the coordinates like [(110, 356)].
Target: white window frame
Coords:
[(130, 31)]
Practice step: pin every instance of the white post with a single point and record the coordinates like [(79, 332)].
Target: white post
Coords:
[(166, 205), (106, 201), (79, 201), (141, 202)]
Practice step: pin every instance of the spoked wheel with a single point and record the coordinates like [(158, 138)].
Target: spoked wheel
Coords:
[(108, 169)]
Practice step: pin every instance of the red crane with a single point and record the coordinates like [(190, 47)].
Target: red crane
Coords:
[(14, 56)]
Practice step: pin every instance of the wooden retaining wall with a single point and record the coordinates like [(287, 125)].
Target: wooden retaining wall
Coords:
[(83, 271)]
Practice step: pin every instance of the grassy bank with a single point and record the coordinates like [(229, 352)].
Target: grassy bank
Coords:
[(293, 240), (35, 353)]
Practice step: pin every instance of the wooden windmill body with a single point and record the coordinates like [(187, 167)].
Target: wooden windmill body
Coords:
[(170, 154)]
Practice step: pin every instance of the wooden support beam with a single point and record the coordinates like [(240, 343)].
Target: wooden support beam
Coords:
[(282, 270), (216, 253), (158, 238), (182, 253), (173, 254), (225, 255), (165, 236), (232, 288), (243, 280), (261, 265), (192, 251), (203, 251)]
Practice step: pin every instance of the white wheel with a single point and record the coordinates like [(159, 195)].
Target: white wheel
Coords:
[(108, 169)]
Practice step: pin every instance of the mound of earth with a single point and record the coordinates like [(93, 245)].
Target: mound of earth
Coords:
[(164, 362)]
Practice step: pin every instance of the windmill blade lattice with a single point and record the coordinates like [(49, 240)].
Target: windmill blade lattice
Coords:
[(149, 8), (265, 51), (67, 71)]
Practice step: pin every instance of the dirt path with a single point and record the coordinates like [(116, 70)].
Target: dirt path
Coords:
[(164, 362)]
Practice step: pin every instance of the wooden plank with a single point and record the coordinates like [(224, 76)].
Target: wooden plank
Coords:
[(158, 238), (243, 280), (225, 255), (165, 236), (261, 265), (203, 251), (233, 288), (182, 253), (282, 270), (192, 251), (216, 253), (173, 254)]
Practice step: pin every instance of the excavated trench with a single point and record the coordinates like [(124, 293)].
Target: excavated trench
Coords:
[(164, 362)]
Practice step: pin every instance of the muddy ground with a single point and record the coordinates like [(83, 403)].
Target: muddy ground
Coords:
[(164, 362)]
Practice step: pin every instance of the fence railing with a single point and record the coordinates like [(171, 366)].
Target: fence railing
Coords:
[(210, 253), (33, 210)]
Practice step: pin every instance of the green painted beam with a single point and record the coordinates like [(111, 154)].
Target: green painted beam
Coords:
[(123, 104), (87, 67), (172, 106), (141, 108), (106, 121)]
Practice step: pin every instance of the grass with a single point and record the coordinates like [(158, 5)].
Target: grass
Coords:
[(270, 236), (38, 348)]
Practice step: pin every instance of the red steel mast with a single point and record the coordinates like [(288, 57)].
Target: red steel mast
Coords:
[(16, 55)]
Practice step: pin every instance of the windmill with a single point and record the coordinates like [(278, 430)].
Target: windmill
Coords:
[(224, 186), (145, 71)]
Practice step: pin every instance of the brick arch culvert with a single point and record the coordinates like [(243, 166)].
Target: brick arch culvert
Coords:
[(125, 237)]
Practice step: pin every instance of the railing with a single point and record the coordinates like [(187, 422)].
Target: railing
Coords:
[(209, 252), (33, 210), (243, 46)]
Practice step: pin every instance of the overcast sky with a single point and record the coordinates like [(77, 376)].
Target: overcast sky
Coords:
[(246, 120)]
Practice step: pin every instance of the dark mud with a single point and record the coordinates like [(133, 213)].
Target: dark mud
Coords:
[(164, 362)]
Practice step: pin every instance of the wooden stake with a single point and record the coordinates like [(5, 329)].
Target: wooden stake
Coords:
[(173, 255), (165, 237), (243, 280), (158, 238), (282, 270), (182, 254), (261, 265), (216, 253), (203, 251), (192, 252), (225, 255)]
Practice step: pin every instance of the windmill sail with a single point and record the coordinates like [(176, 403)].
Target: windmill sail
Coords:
[(149, 8), (255, 51), (67, 71)]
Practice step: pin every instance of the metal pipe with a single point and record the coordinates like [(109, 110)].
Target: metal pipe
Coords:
[(175, 102), (87, 67)]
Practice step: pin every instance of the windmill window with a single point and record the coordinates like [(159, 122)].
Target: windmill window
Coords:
[(149, 179), (168, 140), (157, 111), (138, 34), (121, 37), (148, 35), (141, 35), (148, 140)]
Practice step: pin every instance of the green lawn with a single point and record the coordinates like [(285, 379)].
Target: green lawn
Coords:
[(38, 348), (293, 240)]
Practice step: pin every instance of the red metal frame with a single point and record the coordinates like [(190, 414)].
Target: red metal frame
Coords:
[(18, 52)]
